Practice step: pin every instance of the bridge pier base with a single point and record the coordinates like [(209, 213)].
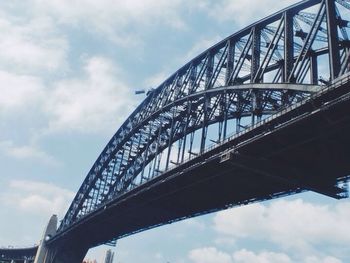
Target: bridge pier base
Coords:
[(71, 250), (50, 230)]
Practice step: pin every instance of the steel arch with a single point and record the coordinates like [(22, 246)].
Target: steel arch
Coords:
[(229, 81)]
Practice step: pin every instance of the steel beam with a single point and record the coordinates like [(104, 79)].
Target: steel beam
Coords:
[(333, 39), (256, 47), (288, 45)]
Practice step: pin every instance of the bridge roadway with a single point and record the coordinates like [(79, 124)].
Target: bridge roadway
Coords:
[(304, 147), (18, 255)]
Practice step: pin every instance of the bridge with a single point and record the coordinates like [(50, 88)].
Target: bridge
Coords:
[(18, 255), (262, 114)]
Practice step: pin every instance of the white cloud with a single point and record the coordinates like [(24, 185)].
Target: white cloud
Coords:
[(209, 255), (19, 91), (296, 225), (159, 256), (213, 255), (245, 256), (28, 152), (313, 259), (245, 12), (225, 241), (113, 18), (36, 197), (96, 102), (31, 46)]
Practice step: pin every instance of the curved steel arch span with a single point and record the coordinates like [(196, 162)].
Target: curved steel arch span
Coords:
[(254, 72), (250, 75)]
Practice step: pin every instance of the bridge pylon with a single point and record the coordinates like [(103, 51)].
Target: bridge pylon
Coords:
[(50, 230)]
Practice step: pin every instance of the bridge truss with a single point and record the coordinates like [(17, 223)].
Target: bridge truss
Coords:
[(238, 82)]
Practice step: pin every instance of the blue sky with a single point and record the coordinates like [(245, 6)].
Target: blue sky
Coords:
[(68, 72)]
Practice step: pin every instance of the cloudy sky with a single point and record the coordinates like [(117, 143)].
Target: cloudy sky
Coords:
[(68, 72)]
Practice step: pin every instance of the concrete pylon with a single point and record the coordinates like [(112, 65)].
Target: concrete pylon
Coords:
[(50, 230)]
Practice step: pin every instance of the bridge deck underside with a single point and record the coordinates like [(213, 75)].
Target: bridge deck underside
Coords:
[(308, 153), (17, 255)]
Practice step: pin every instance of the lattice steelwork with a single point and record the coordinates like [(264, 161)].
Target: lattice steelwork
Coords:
[(239, 81)]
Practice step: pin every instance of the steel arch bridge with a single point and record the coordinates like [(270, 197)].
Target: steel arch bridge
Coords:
[(253, 73), (258, 104)]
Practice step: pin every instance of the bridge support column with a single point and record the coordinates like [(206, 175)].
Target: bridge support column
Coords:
[(50, 230), (288, 47), (313, 69), (333, 40)]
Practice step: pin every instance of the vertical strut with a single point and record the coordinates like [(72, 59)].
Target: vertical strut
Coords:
[(146, 151), (313, 69), (288, 45), (225, 114), (170, 142), (238, 111), (333, 40), (254, 105), (209, 73), (192, 80), (191, 145), (188, 117), (205, 124), (157, 154), (229, 61), (255, 63)]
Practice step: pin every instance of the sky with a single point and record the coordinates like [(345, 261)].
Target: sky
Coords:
[(68, 73)]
